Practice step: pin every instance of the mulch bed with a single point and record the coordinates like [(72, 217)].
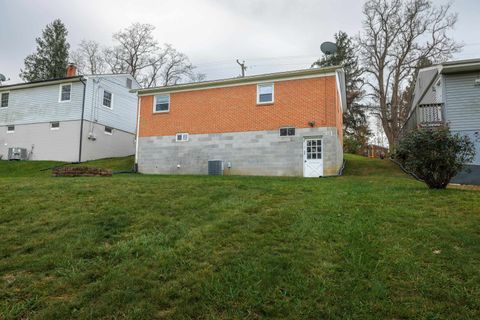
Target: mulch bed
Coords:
[(81, 172)]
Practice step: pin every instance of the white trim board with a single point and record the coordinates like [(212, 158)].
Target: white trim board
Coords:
[(323, 75)]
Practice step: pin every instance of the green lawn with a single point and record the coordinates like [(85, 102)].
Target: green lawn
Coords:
[(373, 244)]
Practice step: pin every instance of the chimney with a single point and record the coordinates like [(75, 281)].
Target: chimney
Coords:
[(71, 70)]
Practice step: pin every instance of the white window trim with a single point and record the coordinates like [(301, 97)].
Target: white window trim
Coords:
[(111, 100), (60, 92), (155, 103), (107, 133), (287, 132), (182, 133), (11, 131), (57, 128), (258, 92), (1, 93)]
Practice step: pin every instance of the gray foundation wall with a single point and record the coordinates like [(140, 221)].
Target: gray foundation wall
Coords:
[(249, 153), (118, 144), (41, 142), (469, 175)]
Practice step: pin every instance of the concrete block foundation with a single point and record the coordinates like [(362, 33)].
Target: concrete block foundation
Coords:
[(263, 153)]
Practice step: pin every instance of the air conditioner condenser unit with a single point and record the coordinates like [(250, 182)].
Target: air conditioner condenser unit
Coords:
[(17, 154)]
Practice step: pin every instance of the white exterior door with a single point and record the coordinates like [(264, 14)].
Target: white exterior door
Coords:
[(312, 158)]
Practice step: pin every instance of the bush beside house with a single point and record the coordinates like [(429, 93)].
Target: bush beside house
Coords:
[(435, 155)]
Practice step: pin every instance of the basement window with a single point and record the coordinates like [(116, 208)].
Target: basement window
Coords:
[(182, 137), (108, 130), (161, 103), (265, 93), (107, 99), (10, 129), (4, 99), (286, 132), (65, 92), (54, 125)]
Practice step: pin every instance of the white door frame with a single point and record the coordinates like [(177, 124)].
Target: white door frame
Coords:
[(312, 167)]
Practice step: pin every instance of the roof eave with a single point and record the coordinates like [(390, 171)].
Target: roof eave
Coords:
[(238, 81), (460, 68), (40, 83)]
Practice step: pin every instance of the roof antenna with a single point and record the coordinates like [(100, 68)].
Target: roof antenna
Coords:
[(243, 67)]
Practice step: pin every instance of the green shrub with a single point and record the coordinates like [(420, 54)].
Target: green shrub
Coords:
[(435, 155)]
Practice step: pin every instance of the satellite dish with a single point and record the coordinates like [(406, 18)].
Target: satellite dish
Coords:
[(2, 78), (328, 48)]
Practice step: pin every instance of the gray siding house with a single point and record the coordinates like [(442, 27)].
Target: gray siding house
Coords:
[(449, 93), (73, 119)]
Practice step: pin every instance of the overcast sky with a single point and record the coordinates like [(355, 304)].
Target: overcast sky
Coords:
[(270, 35)]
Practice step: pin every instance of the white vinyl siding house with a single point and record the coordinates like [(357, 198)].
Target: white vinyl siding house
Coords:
[(62, 119), (449, 93)]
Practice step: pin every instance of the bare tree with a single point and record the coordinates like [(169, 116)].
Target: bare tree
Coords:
[(89, 58), (397, 35), (137, 52), (133, 49), (169, 67), (177, 66)]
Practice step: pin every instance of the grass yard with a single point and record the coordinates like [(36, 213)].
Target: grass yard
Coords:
[(373, 244)]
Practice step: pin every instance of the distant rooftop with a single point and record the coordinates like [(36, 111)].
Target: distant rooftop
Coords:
[(39, 83)]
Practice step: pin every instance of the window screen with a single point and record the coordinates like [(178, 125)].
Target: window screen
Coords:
[(107, 99), (162, 103), (265, 93), (66, 92), (4, 101)]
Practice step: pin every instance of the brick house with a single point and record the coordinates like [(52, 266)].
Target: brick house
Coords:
[(282, 124)]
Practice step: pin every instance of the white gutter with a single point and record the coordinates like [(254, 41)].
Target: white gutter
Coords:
[(137, 133), (341, 88)]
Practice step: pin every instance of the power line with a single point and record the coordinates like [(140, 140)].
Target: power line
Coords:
[(229, 61)]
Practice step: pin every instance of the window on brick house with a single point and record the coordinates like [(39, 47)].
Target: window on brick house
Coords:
[(265, 93), (285, 132), (182, 137), (161, 103)]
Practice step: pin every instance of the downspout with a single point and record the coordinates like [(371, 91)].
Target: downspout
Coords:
[(81, 121), (137, 133)]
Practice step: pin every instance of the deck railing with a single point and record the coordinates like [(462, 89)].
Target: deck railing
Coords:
[(430, 115)]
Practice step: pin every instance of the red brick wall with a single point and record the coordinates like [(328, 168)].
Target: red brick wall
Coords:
[(234, 109)]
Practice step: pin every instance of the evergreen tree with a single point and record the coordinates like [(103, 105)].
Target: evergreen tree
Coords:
[(51, 58), (355, 122)]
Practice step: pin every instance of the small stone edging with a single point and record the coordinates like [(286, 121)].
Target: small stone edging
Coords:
[(405, 170)]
